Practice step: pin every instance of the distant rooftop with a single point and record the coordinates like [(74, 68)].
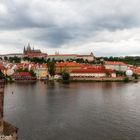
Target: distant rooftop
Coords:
[(114, 63)]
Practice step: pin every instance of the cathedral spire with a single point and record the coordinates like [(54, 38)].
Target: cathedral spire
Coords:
[(28, 48), (24, 51), (28, 45)]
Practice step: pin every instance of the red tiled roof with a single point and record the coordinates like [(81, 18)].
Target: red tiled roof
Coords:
[(23, 74), (114, 63), (68, 64), (135, 70), (2, 67), (92, 70), (36, 54), (63, 55)]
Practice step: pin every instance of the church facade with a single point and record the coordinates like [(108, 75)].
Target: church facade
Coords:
[(32, 53)]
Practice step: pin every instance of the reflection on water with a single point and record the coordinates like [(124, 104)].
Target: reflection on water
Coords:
[(74, 111), (7, 131)]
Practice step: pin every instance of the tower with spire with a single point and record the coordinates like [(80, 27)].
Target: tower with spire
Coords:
[(24, 50), (31, 52), (29, 48)]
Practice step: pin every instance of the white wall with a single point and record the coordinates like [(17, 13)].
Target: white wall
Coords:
[(117, 67), (89, 74)]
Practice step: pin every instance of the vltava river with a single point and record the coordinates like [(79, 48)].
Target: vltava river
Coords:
[(75, 111)]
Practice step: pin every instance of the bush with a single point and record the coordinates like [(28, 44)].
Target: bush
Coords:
[(126, 79), (136, 76), (65, 76), (120, 73)]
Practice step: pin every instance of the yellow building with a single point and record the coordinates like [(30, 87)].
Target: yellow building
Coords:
[(41, 73)]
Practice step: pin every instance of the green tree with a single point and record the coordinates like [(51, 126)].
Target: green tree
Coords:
[(48, 60), (120, 73), (126, 79), (51, 68), (5, 58), (32, 73), (65, 76), (26, 59), (136, 76), (14, 59), (2, 76)]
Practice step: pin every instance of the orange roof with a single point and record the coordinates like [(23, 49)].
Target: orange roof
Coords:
[(114, 63), (2, 67), (22, 74), (63, 55), (92, 70), (135, 70), (68, 64), (36, 55)]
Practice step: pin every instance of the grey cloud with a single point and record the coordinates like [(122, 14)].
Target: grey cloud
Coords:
[(59, 22), (101, 15), (54, 37)]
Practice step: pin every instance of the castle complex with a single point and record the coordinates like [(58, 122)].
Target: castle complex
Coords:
[(37, 53), (32, 53), (28, 52)]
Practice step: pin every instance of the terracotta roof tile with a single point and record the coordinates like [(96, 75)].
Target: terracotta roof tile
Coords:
[(92, 70), (114, 63), (68, 64)]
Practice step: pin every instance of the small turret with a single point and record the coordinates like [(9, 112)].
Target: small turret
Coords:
[(91, 54), (24, 50), (57, 53)]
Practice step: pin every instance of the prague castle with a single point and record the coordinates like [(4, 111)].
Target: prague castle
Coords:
[(28, 52), (36, 53)]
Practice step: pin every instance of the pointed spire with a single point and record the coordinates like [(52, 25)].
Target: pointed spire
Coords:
[(24, 50), (28, 48), (91, 54), (28, 45)]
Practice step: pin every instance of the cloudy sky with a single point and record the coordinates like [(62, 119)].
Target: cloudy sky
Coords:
[(106, 27)]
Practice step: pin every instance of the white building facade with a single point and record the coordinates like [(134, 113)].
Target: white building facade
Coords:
[(118, 66)]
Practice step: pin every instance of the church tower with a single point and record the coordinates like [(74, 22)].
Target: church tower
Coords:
[(29, 48), (24, 50)]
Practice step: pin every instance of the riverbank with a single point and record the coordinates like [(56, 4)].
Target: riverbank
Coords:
[(105, 79), (83, 79), (108, 79)]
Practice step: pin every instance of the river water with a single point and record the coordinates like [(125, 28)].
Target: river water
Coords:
[(75, 111)]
